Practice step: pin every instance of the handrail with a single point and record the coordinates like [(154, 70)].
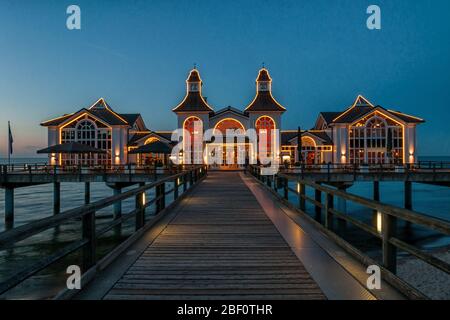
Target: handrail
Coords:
[(187, 179), (405, 214), (390, 214)]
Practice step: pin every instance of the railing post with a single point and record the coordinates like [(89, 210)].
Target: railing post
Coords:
[(389, 226), (175, 188), (185, 182), (158, 200), (318, 209), (9, 205), (56, 197), (87, 192), (286, 190), (163, 193), (329, 204), (301, 197), (89, 249), (140, 210), (269, 183)]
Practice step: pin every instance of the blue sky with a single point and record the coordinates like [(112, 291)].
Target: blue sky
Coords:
[(137, 54)]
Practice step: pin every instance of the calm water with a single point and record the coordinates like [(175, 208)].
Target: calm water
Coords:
[(33, 203), (36, 202)]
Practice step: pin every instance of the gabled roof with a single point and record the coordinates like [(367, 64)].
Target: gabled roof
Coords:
[(164, 135), (329, 116), (193, 101), (131, 118), (99, 109), (406, 117), (264, 101), (362, 107), (229, 109), (321, 135), (289, 135), (56, 121)]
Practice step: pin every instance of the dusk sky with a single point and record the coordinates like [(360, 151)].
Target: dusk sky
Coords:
[(137, 54)]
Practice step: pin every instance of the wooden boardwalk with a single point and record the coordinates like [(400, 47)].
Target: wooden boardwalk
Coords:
[(220, 245)]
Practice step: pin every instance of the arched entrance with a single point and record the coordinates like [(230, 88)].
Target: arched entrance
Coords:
[(309, 150), (235, 153), (151, 159)]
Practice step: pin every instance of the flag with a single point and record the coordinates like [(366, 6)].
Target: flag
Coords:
[(10, 140)]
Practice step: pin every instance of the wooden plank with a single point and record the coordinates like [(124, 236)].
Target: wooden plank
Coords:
[(220, 246)]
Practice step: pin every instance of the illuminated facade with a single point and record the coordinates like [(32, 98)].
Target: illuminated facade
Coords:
[(361, 134)]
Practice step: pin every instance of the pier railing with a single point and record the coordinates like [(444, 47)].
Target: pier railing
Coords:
[(90, 234), (422, 166), (40, 168), (44, 168), (384, 226)]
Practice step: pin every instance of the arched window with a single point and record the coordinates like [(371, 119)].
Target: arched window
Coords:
[(90, 132), (86, 133), (151, 140), (376, 139), (264, 126), (194, 153), (229, 124), (376, 133)]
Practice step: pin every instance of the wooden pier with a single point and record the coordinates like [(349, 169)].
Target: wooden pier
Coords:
[(221, 239), (220, 245)]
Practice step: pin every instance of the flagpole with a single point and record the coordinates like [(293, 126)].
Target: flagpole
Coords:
[(9, 148)]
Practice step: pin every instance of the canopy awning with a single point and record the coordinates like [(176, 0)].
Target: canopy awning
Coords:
[(71, 147), (154, 147)]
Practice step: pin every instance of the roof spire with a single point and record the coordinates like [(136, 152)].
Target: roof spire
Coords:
[(195, 66), (263, 65)]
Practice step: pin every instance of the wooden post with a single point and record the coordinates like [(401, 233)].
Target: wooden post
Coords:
[(318, 209), (389, 226), (329, 204), (342, 208), (140, 211), (87, 192), (376, 197), (9, 205), (286, 190), (158, 201), (184, 183), (89, 249), (175, 189), (118, 204), (301, 197), (163, 193), (56, 197), (408, 201)]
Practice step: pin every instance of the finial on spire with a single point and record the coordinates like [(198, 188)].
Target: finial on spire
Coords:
[(195, 66), (263, 65)]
